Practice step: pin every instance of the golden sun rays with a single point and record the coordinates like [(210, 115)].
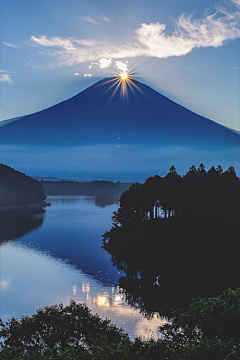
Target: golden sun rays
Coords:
[(123, 83), (124, 75)]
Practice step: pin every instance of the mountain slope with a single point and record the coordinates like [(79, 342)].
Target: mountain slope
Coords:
[(101, 114), (107, 133)]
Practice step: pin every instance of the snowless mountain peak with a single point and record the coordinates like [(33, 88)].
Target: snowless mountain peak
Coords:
[(117, 125)]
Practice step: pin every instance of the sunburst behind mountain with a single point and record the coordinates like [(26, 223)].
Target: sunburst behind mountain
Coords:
[(126, 123)]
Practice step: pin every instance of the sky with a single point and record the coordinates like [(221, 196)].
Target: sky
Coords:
[(186, 50)]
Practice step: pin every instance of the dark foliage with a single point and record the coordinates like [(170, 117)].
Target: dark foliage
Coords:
[(208, 330), (177, 237), (18, 188), (199, 194), (58, 332)]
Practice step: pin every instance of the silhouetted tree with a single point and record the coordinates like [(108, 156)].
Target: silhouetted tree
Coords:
[(132, 208), (152, 193), (172, 193), (201, 171)]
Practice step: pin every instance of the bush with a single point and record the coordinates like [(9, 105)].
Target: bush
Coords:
[(208, 330)]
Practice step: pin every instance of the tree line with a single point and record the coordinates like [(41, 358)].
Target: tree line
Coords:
[(199, 192)]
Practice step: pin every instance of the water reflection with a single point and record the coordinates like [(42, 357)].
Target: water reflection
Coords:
[(36, 279), (100, 200), (56, 255), (85, 287), (70, 199), (71, 233), (103, 200), (106, 299), (153, 286), (15, 223)]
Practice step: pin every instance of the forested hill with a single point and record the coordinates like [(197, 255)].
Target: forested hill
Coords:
[(18, 189)]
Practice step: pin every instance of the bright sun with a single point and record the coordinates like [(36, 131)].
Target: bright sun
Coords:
[(124, 75)]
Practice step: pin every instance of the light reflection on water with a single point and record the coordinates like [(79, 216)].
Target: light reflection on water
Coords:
[(63, 260)]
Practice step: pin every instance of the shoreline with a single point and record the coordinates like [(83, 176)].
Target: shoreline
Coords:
[(27, 206)]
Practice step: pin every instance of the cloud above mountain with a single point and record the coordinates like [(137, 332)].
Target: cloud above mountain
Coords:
[(11, 45), (6, 76), (151, 40)]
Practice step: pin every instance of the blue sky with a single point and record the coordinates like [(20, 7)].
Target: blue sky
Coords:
[(187, 50)]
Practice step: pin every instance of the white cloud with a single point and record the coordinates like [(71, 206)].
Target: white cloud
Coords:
[(189, 34), (5, 283), (7, 72), (104, 18), (6, 78), (87, 75), (58, 18), (76, 74), (69, 43), (121, 66), (236, 2), (11, 45), (151, 40), (89, 19), (55, 41), (104, 63), (86, 42)]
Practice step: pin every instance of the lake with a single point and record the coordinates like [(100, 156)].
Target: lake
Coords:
[(54, 255)]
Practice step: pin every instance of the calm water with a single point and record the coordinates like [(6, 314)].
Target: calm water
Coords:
[(52, 256)]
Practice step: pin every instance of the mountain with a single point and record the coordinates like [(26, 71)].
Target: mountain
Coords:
[(112, 121), (142, 114)]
